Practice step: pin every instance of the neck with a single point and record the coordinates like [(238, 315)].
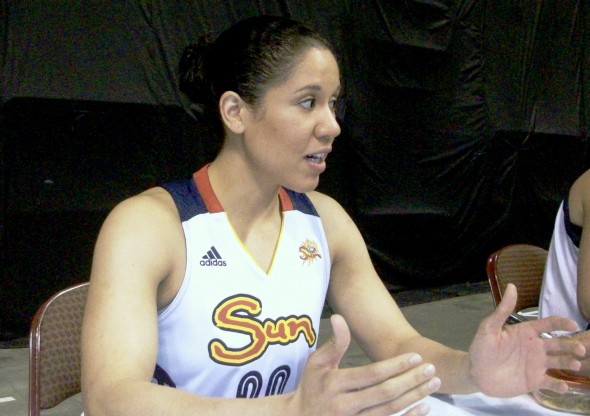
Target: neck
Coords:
[(242, 195)]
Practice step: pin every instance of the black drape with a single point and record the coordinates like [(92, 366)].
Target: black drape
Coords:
[(465, 123)]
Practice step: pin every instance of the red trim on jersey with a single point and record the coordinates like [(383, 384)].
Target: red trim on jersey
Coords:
[(286, 203), (201, 178)]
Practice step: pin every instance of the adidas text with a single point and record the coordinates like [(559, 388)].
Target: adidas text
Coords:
[(214, 262)]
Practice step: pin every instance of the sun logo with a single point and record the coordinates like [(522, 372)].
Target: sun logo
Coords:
[(309, 251)]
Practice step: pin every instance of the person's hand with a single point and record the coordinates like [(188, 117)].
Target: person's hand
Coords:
[(380, 388), (584, 338), (509, 360)]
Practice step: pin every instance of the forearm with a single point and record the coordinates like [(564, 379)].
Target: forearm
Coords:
[(151, 399)]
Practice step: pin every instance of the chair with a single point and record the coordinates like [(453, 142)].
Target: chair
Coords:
[(54, 349), (521, 264)]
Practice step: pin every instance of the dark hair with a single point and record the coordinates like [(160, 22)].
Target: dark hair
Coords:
[(247, 58)]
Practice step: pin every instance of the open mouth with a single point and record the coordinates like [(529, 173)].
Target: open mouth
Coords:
[(317, 157)]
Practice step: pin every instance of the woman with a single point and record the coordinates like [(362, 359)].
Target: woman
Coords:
[(217, 282), (566, 281)]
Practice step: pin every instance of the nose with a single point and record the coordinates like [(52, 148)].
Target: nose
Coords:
[(328, 127)]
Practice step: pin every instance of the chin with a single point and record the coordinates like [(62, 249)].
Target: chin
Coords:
[(303, 187)]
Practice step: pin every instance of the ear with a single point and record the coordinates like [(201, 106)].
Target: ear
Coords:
[(231, 108)]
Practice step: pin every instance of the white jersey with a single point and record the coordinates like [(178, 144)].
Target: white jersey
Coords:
[(234, 329), (558, 292)]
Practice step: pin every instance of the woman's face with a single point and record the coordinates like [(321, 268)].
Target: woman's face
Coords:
[(289, 135)]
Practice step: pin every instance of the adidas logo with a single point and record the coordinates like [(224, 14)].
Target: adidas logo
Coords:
[(212, 258)]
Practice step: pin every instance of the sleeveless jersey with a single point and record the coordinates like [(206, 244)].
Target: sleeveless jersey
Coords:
[(558, 291), (233, 329)]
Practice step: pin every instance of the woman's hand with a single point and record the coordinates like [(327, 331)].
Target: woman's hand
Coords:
[(509, 360), (380, 388), (584, 338)]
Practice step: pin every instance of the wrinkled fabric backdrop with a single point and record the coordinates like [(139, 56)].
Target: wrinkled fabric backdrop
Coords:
[(465, 123)]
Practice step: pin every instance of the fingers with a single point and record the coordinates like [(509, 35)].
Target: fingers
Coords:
[(409, 405), (564, 362), (420, 410), (330, 354), (563, 352), (506, 306), (553, 323), (379, 388), (388, 386), (567, 345), (494, 322), (583, 337), (395, 394), (358, 378), (492, 325), (554, 384), (341, 332)]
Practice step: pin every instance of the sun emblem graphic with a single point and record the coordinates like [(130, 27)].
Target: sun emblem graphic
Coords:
[(309, 252)]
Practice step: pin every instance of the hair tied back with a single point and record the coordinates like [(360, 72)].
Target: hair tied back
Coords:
[(192, 69)]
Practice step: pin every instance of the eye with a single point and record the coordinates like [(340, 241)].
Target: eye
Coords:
[(334, 104), (308, 103)]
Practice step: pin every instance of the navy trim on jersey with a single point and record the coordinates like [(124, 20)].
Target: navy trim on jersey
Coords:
[(302, 203), (194, 205), (162, 378), (188, 207), (574, 231)]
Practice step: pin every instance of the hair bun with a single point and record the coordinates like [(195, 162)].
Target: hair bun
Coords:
[(192, 69)]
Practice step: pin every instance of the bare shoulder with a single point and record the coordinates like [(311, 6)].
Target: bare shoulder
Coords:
[(148, 212), (154, 201), (335, 219), (341, 231), (327, 207), (579, 199), (582, 183), (143, 231)]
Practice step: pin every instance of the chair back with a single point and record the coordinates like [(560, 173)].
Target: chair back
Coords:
[(54, 349), (520, 264)]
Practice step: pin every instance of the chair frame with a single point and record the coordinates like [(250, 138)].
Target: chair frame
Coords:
[(495, 281), (70, 378)]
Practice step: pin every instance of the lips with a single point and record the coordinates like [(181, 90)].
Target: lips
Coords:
[(317, 157)]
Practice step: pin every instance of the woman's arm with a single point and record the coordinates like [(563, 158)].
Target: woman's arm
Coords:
[(579, 204), (139, 252), (119, 335), (517, 356), (376, 322)]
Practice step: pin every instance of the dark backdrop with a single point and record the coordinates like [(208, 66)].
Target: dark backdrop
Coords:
[(465, 123)]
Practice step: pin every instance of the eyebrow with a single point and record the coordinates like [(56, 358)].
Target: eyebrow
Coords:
[(315, 87)]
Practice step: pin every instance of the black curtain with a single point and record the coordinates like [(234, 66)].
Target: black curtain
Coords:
[(465, 124)]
